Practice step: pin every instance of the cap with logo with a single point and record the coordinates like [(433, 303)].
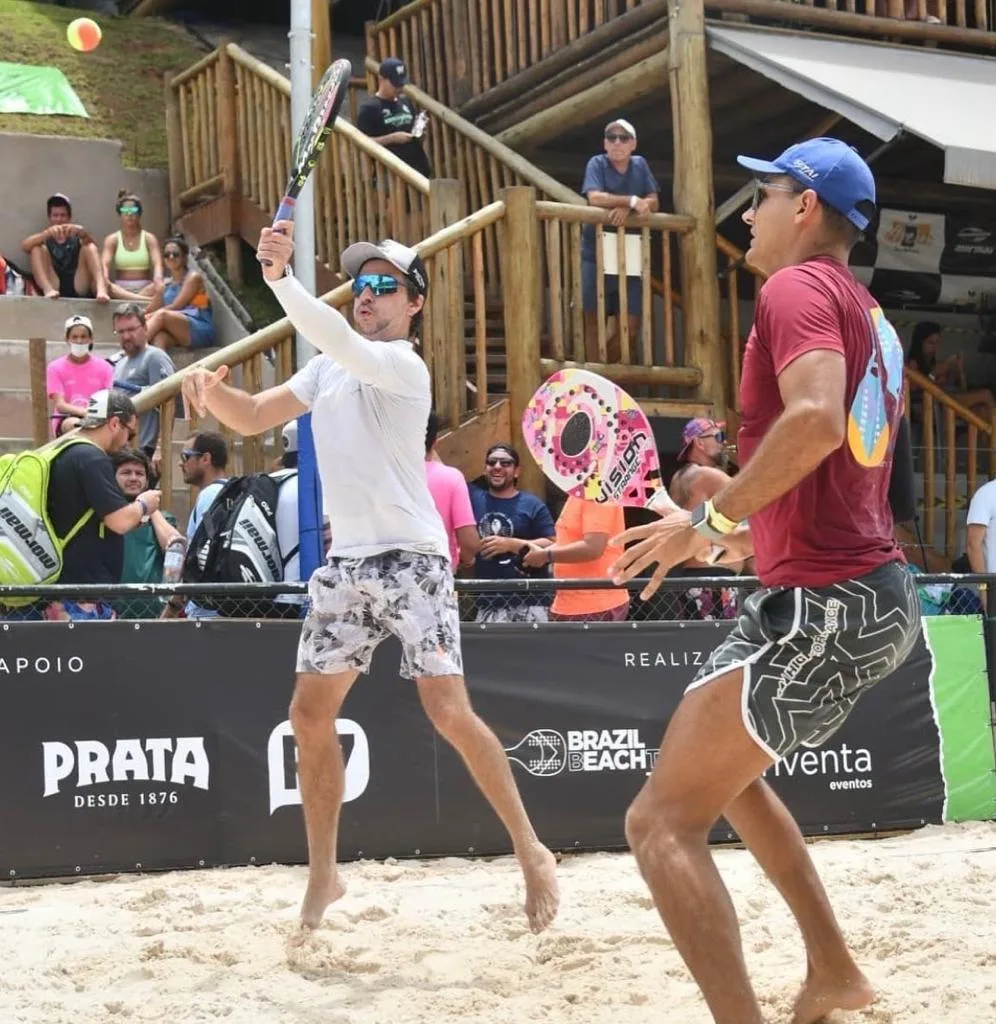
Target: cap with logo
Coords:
[(394, 71), (78, 320), (107, 403), (832, 169), (401, 257), (621, 122), (693, 429)]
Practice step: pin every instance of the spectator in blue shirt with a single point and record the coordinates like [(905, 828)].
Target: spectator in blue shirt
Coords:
[(621, 182), (506, 519)]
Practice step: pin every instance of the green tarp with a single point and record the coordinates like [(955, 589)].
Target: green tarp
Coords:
[(25, 89)]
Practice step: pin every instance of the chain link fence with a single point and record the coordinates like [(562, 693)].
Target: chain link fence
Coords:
[(702, 597)]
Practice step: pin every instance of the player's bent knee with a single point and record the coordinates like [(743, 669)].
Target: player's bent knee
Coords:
[(655, 826)]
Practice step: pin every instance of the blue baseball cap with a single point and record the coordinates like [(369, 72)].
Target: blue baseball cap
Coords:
[(831, 168)]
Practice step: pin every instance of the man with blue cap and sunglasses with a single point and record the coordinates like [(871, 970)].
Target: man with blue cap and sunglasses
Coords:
[(388, 569), (821, 427)]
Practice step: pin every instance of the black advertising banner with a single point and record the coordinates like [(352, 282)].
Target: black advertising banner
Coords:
[(582, 713), (168, 744)]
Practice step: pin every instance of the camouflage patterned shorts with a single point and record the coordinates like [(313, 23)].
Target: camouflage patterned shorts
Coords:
[(357, 602)]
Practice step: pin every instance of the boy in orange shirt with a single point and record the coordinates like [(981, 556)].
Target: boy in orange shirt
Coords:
[(582, 550)]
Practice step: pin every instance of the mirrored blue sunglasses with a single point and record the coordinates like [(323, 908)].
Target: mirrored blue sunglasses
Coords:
[(379, 284)]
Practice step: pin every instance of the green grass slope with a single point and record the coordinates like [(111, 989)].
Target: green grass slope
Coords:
[(120, 83)]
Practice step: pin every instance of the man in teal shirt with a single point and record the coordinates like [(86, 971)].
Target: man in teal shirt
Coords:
[(145, 545)]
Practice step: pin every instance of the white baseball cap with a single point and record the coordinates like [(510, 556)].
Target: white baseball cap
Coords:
[(621, 122), (399, 256), (78, 320)]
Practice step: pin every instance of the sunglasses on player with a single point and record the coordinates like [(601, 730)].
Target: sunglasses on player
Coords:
[(172, 254), (379, 284), (505, 463), (130, 209), (618, 137)]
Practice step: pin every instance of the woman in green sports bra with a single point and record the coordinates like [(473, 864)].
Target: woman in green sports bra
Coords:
[(133, 262)]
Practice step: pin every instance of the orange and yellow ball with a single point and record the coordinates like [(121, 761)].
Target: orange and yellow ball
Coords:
[(84, 34)]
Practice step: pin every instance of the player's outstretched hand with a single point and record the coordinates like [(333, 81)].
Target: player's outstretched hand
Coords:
[(668, 542), (196, 384), (276, 246)]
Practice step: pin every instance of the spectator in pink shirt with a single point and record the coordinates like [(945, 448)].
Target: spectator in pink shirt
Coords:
[(449, 492), (71, 379)]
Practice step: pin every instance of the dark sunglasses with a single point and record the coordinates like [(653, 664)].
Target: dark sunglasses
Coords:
[(190, 453), (379, 284), (719, 435), (500, 462), (761, 189), (618, 138), (170, 254)]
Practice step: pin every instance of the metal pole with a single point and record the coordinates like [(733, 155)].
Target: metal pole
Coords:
[(309, 485), (304, 217)]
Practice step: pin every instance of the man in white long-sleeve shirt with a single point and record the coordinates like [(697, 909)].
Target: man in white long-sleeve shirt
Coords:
[(388, 570)]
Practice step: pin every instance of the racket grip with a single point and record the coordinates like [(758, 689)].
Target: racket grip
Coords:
[(285, 211)]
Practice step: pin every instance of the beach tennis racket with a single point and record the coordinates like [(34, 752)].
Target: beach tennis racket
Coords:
[(594, 442), (317, 127)]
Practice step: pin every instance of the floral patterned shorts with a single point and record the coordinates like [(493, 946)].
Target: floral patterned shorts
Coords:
[(357, 602)]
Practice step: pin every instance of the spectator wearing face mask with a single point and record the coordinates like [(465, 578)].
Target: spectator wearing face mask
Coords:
[(73, 378)]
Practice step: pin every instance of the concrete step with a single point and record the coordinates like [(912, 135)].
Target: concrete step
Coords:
[(31, 317), (15, 412)]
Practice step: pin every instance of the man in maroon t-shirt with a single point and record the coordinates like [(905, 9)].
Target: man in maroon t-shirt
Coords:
[(821, 400)]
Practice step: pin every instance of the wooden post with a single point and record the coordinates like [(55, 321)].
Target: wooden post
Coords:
[(460, 48), (447, 349), (174, 149), (521, 294), (228, 151), (373, 54), (39, 391), (693, 196), (166, 413), (321, 39)]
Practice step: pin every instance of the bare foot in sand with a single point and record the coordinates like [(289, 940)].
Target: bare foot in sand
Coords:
[(52, 293), (819, 996), (539, 869), (322, 890)]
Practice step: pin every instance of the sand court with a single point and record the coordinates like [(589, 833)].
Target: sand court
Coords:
[(446, 941)]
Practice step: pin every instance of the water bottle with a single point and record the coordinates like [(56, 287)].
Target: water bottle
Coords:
[(176, 552)]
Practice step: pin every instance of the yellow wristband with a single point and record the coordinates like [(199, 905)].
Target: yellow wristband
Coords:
[(718, 521)]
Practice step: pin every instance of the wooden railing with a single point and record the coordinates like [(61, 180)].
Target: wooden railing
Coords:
[(449, 320), (230, 132), (647, 356), (940, 414), (963, 22), (456, 49), (459, 149)]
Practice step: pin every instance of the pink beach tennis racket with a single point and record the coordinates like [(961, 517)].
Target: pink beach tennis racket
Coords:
[(594, 442)]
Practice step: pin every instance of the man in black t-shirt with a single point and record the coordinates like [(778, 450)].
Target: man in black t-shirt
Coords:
[(389, 117), (82, 478)]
